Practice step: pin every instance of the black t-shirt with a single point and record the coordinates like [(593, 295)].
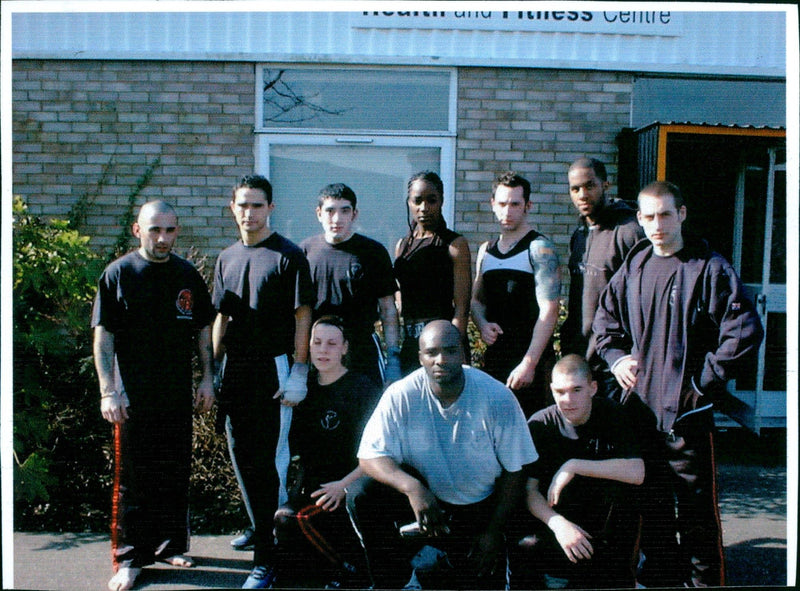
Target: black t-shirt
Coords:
[(327, 426), (259, 287), (154, 311), (608, 434), (659, 311), (349, 278), (424, 271)]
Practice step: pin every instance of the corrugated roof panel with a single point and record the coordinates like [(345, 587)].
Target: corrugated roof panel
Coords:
[(742, 43), (725, 102)]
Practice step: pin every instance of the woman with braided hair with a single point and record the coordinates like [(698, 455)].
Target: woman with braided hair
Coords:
[(432, 267)]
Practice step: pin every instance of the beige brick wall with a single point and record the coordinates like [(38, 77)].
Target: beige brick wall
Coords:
[(536, 122), (92, 128), (77, 122)]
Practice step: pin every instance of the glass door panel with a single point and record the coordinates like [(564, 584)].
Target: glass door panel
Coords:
[(376, 173)]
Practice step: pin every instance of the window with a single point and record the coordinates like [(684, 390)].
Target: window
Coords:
[(370, 128), (355, 99)]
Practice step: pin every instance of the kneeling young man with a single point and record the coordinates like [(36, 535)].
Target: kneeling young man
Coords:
[(580, 487)]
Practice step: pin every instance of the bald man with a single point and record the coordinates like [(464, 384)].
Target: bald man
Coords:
[(152, 309), (452, 441)]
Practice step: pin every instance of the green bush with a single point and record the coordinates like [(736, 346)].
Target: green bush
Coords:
[(62, 445), (58, 433)]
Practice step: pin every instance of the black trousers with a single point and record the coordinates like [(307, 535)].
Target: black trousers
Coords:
[(679, 501), (252, 427), (605, 511), (505, 354), (364, 356), (377, 511), (150, 497), (309, 536)]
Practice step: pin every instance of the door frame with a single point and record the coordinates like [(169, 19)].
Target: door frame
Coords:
[(748, 408)]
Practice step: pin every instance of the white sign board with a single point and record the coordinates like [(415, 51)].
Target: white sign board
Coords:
[(621, 22)]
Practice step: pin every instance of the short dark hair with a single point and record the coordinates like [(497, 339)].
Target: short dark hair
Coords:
[(573, 364), (331, 320), (598, 167), (337, 191), (512, 179), (662, 189), (429, 177), (254, 181)]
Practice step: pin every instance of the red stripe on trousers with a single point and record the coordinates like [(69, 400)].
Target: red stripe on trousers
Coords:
[(115, 497), (717, 517), (313, 535)]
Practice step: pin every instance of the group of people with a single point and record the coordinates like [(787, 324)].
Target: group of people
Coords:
[(396, 461)]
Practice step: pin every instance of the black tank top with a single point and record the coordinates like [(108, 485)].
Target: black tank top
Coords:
[(509, 286), (424, 270)]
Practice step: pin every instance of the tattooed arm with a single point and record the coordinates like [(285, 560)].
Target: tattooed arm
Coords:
[(548, 287)]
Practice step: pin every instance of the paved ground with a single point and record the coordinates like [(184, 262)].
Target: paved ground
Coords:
[(752, 474)]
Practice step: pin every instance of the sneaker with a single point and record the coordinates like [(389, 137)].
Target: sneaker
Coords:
[(261, 577), (344, 578), (244, 541)]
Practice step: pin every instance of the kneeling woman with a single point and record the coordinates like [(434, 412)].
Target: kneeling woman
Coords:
[(324, 436)]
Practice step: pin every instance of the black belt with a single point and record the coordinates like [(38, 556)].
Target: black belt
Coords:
[(412, 330)]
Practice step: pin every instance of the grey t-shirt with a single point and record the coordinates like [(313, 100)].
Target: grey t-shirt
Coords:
[(460, 450)]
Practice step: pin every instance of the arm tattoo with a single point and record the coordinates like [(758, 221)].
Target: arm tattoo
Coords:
[(545, 269)]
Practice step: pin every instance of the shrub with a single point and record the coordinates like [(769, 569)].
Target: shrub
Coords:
[(60, 438), (58, 431)]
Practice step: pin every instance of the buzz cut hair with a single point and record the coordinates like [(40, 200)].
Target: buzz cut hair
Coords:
[(157, 207), (662, 189), (598, 167), (575, 365)]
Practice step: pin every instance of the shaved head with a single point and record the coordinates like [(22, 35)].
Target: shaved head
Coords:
[(573, 365), (441, 354), (438, 329), (156, 228), (154, 208)]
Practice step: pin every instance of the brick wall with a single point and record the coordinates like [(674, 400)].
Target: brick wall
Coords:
[(536, 122), (92, 128)]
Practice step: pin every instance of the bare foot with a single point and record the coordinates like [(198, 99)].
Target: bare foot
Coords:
[(179, 560), (124, 579)]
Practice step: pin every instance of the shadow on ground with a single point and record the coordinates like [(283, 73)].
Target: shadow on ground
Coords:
[(209, 572), (757, 561), (71, 540)]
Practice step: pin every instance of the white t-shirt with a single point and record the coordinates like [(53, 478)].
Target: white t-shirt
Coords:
[(459, 450)]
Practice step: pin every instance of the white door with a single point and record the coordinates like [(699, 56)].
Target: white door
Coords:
[(760, 259)]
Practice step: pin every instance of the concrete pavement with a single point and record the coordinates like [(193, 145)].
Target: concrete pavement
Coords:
[(752, 481)]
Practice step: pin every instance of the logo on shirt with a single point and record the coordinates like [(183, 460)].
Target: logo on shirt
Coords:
[(185, 302), (330, 421)]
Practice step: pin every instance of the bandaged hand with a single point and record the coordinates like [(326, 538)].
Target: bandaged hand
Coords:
[(296, 386)]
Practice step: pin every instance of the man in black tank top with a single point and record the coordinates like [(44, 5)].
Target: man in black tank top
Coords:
[(515, 296)]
